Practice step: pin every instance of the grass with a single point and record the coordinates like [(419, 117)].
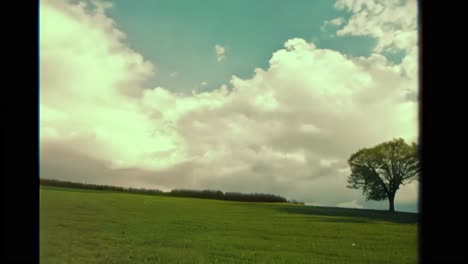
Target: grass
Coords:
[(87, 226)]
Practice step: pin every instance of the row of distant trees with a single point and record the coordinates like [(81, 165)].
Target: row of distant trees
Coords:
[(230, 196), (78, 185), (204, 194)]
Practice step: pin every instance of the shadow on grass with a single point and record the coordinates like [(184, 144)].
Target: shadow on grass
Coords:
[(347, 215)]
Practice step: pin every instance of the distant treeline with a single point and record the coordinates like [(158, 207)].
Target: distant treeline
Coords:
[(230, 196), (77, 185), (204, 194)]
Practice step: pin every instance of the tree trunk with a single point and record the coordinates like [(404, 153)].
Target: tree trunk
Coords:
[(391, 203)]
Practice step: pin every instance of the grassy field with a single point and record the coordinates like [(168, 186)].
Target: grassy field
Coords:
[(85, 226)]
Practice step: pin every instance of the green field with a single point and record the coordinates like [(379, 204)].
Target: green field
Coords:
[(85, 226)]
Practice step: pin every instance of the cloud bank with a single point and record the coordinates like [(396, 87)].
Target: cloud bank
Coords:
[(288, 130), (392, 22)]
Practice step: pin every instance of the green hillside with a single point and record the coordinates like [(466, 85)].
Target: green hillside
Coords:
[(91, 226)]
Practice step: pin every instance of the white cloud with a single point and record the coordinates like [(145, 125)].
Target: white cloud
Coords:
[(391, 22), (203, 83), (350, 204), (220, 52), (89, 83), (173, 74), (288, 130), (327, 162), (336, 22)]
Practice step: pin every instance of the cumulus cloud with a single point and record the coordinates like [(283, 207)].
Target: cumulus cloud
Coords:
[(333, 22), (288, 130), (220, 52), (90, 83), (392, 22), (336, 21)]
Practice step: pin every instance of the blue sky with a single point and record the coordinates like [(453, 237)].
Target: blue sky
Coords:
[(179, 36), (336, 76)]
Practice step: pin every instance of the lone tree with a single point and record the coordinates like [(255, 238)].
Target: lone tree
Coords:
[(380, 170)]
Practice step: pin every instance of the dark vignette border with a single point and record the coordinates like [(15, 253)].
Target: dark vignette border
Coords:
[(20, 123), (441, 232)]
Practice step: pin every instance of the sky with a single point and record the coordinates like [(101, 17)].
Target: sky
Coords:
[(247, 96)]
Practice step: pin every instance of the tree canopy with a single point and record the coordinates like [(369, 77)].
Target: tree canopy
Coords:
[(380, 170)]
